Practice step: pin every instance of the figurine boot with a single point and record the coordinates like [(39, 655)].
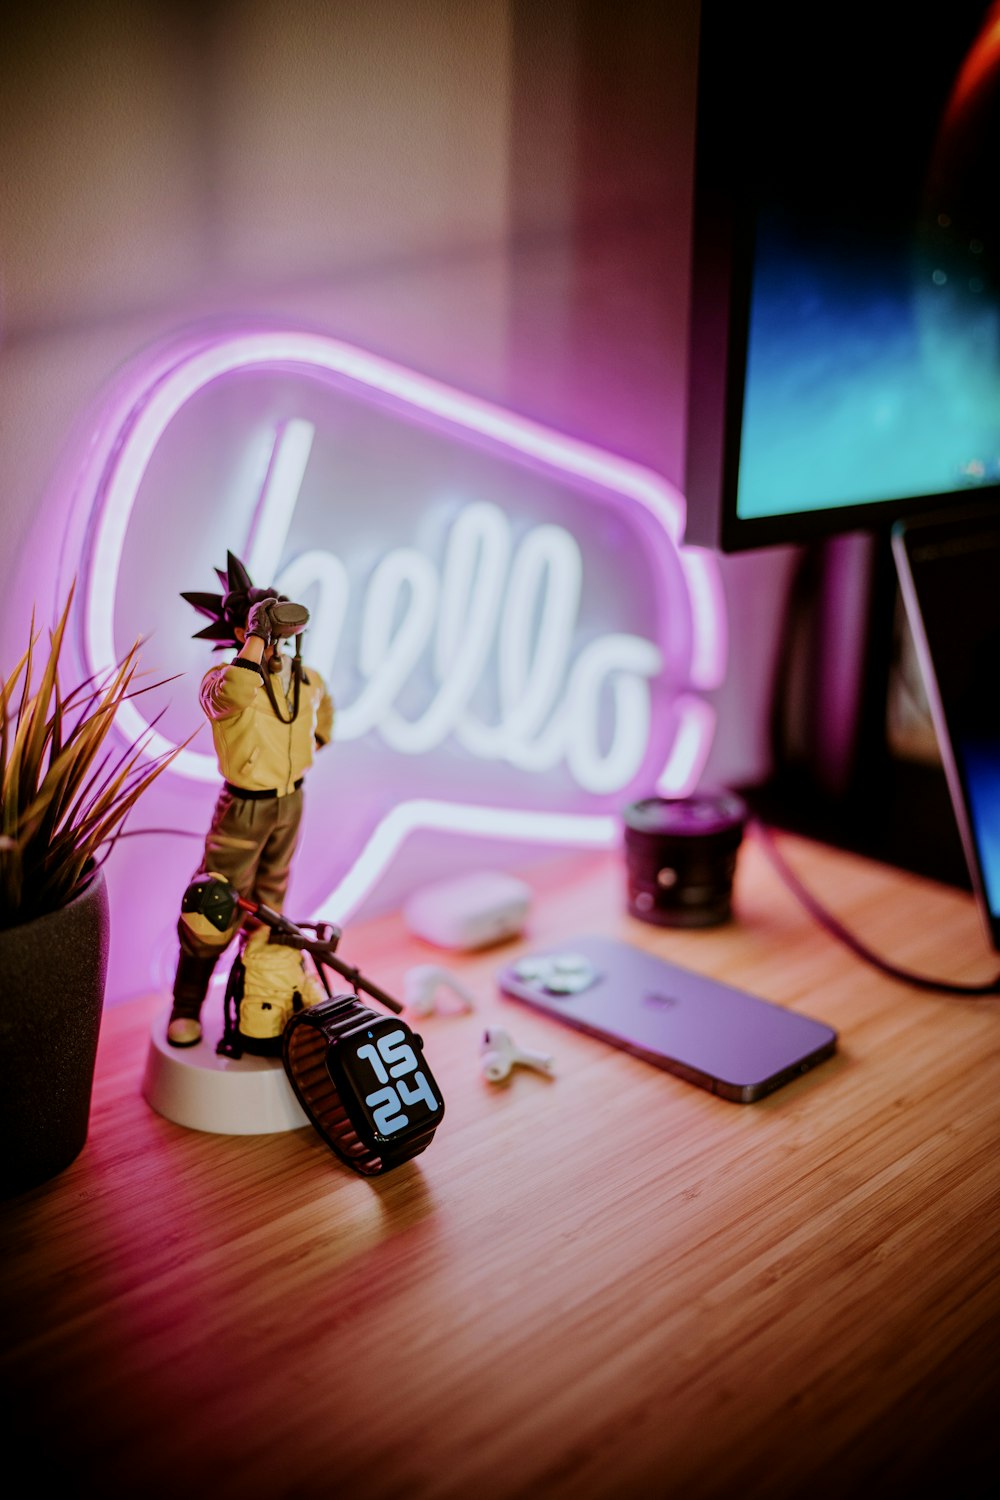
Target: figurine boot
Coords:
[(190, 989)]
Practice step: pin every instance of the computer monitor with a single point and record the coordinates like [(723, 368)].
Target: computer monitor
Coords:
[(845, 319)]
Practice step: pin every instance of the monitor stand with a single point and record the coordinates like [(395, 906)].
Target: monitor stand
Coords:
[(836, 775)]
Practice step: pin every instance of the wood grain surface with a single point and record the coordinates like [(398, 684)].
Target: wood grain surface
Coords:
[(609, 1283)]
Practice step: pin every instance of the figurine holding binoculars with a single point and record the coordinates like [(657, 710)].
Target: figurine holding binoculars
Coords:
[(269, 713)]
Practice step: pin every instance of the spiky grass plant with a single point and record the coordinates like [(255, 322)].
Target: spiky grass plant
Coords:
[(63, 794)]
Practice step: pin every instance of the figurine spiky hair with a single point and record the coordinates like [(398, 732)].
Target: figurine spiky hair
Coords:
[(228, 611)]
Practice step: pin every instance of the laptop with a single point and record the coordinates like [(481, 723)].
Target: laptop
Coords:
[(948, 566)]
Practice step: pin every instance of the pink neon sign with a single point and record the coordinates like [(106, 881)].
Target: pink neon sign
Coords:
[(501, 597)]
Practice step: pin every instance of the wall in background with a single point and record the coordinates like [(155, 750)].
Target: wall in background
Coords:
[(496, 194)]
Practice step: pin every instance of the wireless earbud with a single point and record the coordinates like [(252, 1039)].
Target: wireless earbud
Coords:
[(499, 1053), (421, 985)]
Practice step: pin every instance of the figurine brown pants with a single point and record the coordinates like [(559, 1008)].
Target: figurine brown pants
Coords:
[(250, 843)]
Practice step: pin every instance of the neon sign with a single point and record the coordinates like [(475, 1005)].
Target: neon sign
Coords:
[(480, 635)]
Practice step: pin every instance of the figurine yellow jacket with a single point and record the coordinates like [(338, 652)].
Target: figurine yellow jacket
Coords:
[(255, 750)]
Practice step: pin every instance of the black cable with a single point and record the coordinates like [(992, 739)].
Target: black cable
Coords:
[(843, 934), (826, 919)]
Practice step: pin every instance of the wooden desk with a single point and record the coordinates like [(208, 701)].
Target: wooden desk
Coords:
[(607, 1284)]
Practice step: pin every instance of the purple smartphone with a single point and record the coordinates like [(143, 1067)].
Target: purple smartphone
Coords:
[(705, 1032)]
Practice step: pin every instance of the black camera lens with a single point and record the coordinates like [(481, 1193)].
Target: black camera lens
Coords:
[(680, 855)]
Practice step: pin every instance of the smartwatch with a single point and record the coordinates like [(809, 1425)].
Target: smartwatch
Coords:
[(362, 1080)]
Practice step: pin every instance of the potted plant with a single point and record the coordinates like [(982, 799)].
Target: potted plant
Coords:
[(64, 794)]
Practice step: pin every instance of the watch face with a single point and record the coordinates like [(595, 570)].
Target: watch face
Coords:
[(386, 1086)]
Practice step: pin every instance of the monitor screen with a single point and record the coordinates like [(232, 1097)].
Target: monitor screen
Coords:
[(845, 332)]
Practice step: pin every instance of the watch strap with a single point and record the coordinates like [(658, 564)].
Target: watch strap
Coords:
[(305, 1044)]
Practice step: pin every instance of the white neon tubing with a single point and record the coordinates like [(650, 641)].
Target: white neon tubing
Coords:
[(280, 491), (126, 442), (533, 655), (710, 645), (326, 620), (467, 413), (625, 662), (469, 820), (689, 751)]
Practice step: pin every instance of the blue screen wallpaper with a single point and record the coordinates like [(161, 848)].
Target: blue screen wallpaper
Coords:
[(873, 353), (981, 769)]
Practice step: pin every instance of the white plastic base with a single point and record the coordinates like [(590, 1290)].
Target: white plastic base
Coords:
[(194, 1087)]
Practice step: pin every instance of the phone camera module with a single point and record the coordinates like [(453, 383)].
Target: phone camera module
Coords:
[(571, 963), (557, 973), (528, 969), (568, 984)]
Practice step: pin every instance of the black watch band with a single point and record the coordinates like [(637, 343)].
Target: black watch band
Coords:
[(305, 1044)]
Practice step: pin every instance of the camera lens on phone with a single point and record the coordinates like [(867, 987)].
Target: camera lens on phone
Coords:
[(681, 858)]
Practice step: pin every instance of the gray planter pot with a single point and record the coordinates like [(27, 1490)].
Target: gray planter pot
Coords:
[(52, 977)]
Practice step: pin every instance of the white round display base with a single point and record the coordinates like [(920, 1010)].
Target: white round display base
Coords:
[(195, 1087)]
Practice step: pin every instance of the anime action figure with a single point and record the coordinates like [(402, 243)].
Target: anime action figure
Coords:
[(268, 715)]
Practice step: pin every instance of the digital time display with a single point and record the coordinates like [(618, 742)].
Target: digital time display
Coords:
[(389, 1080)]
